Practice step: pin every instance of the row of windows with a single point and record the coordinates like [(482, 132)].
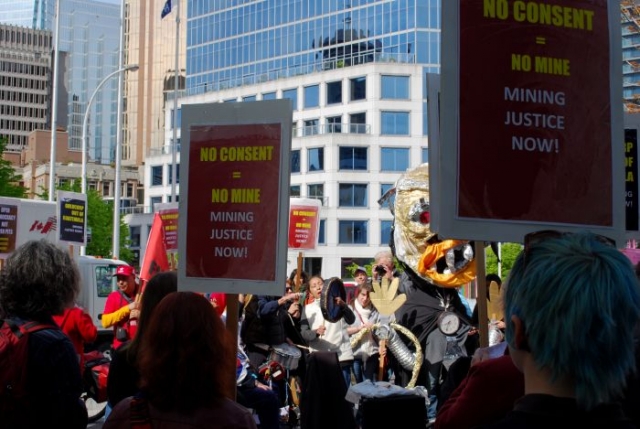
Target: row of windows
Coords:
[(356, 159), (21, 68), (11, 125), (25, 37), (22, 82), (29, 112), (355, 232), (23, 97), (349, 194)]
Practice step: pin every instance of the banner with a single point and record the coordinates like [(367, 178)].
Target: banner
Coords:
[(8, 226), (169, 215), (531, 127), (234, 200), (72, 215), (631, 181), (303, 223)]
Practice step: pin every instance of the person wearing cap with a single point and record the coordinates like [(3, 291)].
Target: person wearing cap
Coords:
[(360, 276), (121, 309)]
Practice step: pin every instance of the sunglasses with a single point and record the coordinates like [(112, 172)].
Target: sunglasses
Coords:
[(533, 238)]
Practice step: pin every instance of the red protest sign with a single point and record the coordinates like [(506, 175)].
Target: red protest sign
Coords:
[(535, 133), (232, 216), (303, 223)]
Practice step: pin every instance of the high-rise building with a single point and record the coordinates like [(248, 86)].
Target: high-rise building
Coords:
[(89, 43), (90, 35), (356, 73), (631, 55), (36, 14), (151, 43), (25, 83)]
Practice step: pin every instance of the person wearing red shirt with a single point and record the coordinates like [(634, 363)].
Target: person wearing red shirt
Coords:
[(121, 309), (79, 327)]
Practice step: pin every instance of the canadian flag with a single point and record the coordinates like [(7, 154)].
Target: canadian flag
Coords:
[(155, 257)]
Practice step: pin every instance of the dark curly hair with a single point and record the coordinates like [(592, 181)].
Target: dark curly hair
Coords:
[(38, 280), (186, 357)]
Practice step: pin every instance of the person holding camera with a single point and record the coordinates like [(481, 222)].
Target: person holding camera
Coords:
[(383, 266), (121, 309)]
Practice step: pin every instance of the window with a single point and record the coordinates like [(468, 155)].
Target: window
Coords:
[(395, 87), (353, 195), (358, 123), (311, 96), (294, 191), (316, 159), (269, 96), (334, 124), (358, 88), (295, 161), (310, 127), (178, 119), (353, 158), (352, 232), (384, 188), (156, 175), (316, 191), (134, 234), (334, 92), (249, 98), (171, 173), (291, 94), (385, 232), (153, 201), (424, 152), (394, 159), (395, 123), (322, 232), (104, 280), (106, 189)]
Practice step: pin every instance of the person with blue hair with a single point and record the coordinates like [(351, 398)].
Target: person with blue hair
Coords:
[(571, 304)]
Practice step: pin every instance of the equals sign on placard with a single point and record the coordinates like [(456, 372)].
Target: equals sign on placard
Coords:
[(236, 175), (541, 40)]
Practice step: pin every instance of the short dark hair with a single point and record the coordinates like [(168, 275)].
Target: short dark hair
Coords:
[(38, 280), (186, 357)]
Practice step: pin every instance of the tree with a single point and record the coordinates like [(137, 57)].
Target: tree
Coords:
[(100, 223), (9, 180), (509, 252)]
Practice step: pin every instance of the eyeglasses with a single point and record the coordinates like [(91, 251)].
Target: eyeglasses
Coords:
[(533, 238)]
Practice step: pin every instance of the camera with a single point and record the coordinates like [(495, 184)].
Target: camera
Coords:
[(380, 270)]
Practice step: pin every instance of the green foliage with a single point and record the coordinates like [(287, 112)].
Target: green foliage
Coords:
[(100, 223), (509, 252), (9, 179)]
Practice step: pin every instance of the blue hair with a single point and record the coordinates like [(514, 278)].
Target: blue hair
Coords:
[(579, 300)]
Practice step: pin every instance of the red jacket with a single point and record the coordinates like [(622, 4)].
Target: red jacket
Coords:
[(79, 328), (113, 317)]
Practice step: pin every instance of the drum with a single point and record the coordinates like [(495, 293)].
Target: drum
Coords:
[(331, 311), (286, 355)]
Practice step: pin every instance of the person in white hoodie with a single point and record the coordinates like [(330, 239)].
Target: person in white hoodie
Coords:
[(322, 335)]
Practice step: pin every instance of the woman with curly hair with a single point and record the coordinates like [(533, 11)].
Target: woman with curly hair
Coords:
[(38, 281), (186, 362)]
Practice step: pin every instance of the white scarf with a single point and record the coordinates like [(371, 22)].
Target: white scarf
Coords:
[(367, 344), (364, 313)]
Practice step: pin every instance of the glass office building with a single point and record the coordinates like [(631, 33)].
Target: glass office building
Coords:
[(631, 55), (239, 42), (89, 40), (35, 14), (89, 33)]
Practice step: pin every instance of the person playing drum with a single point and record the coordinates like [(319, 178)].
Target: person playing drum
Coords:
[(325, 329)]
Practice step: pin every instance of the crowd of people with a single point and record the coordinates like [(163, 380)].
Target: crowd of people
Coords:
[(571, 307)]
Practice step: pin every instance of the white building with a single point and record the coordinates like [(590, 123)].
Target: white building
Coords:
[(356, 130)]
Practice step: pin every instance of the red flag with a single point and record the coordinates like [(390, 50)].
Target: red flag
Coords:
[(155, 257)]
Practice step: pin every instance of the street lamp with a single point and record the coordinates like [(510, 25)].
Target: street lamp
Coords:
[(132, 67)]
